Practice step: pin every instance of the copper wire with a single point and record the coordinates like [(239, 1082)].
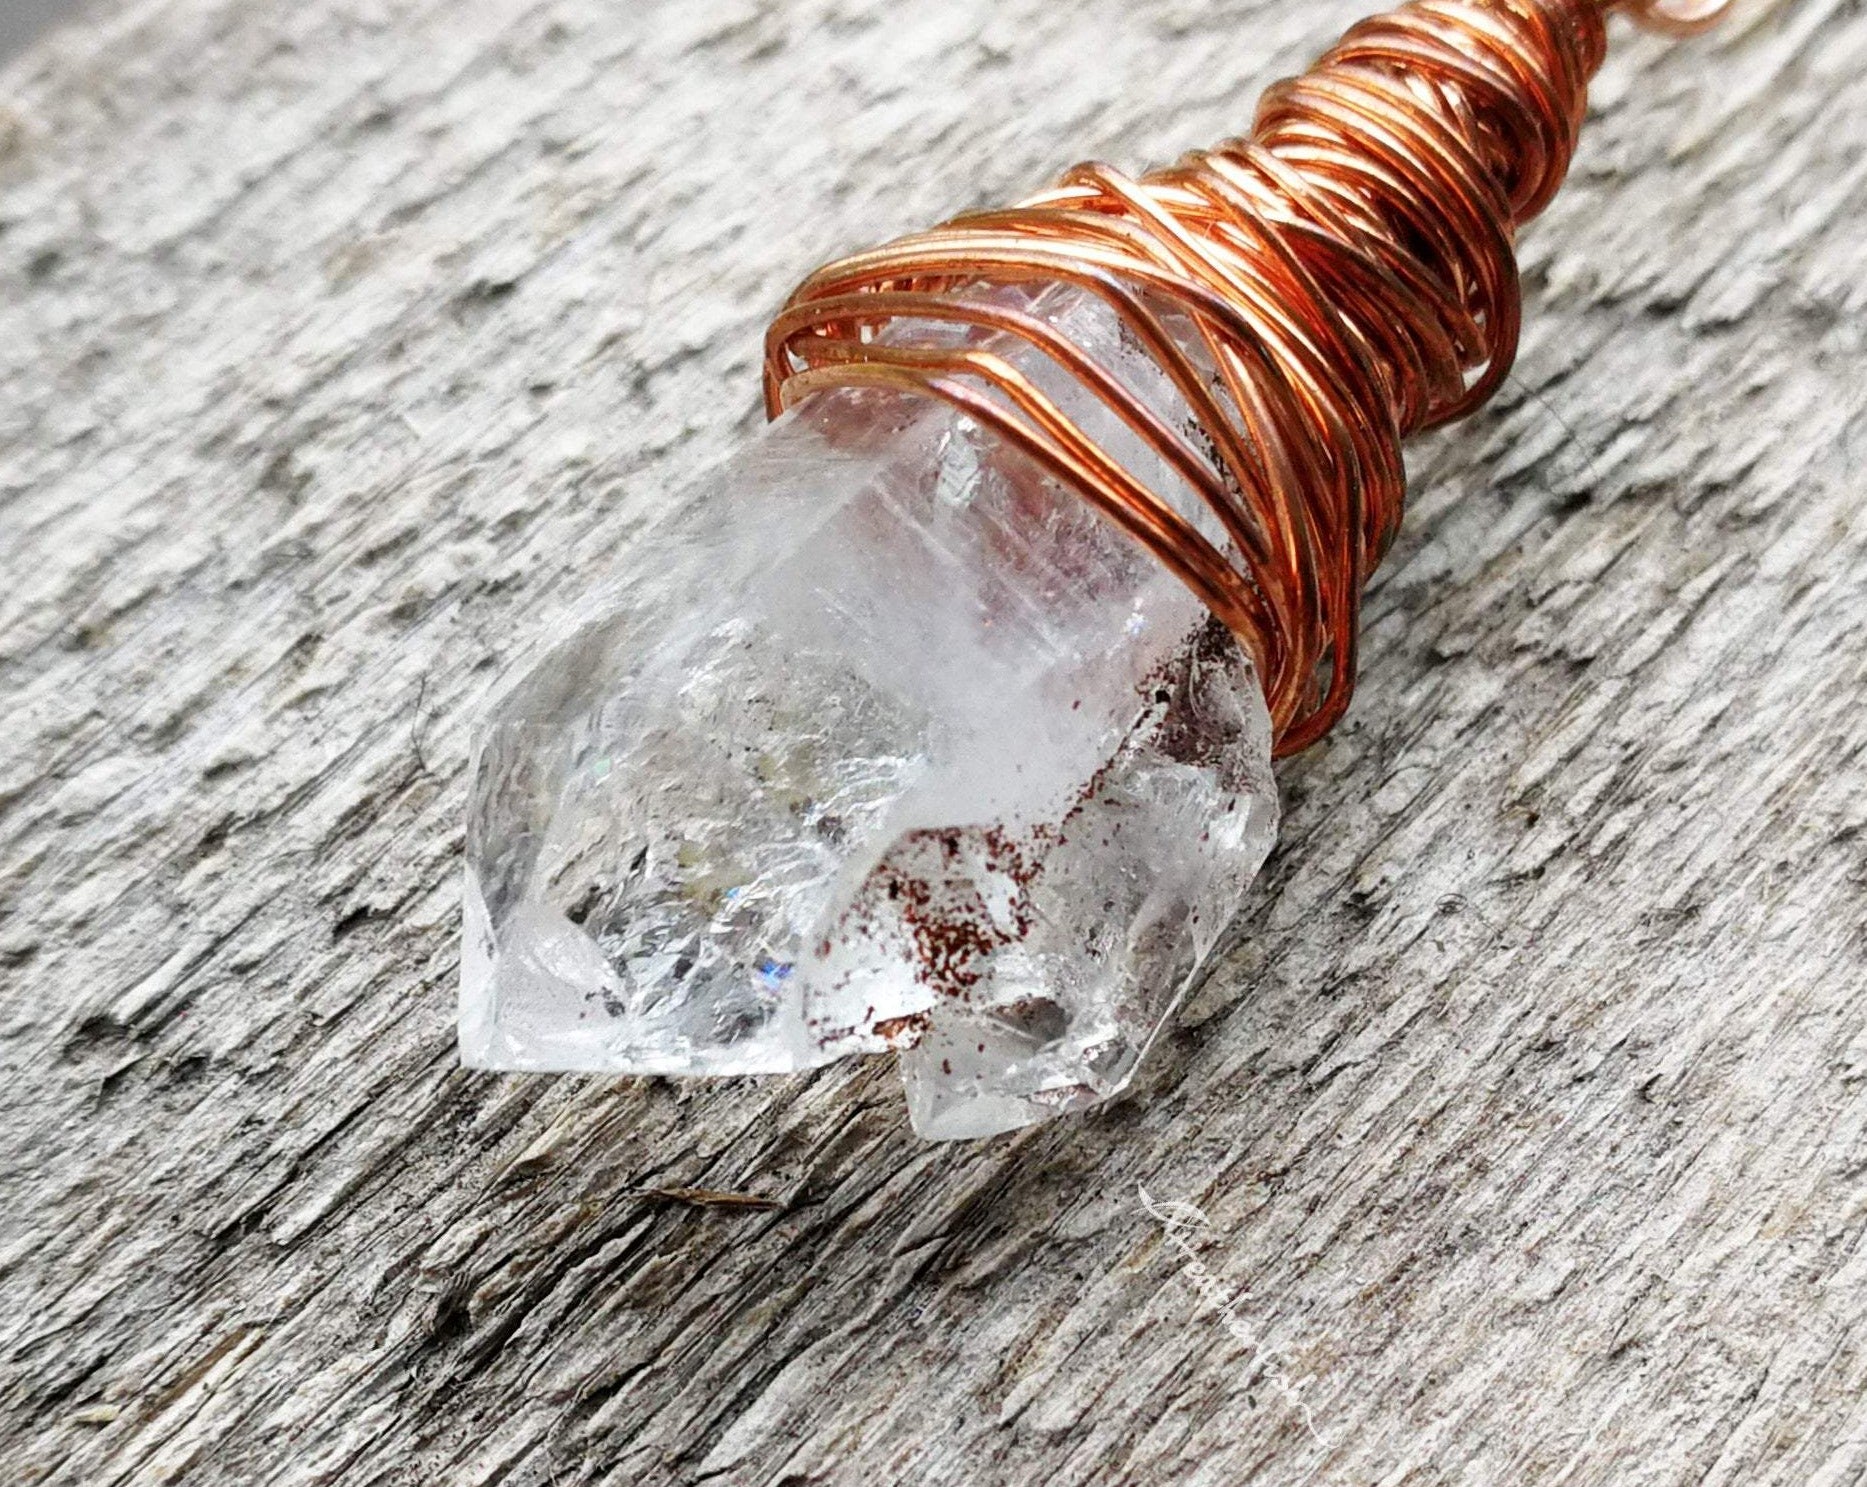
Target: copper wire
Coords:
[(1348, 275)]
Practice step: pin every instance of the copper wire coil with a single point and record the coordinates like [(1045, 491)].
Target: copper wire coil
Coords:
[(1349, 277)]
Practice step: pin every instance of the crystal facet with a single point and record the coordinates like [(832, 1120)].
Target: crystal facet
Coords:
[(886, 741)]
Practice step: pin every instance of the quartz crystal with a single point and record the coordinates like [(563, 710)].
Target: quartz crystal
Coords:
[(882, 740)]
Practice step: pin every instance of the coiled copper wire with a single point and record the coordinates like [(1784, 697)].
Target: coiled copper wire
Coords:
[(1349, 277)]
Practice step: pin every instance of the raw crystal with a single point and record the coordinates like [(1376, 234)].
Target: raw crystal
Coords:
[(885, 740)]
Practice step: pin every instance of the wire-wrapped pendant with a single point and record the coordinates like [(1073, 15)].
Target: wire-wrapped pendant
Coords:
[(923, 729)]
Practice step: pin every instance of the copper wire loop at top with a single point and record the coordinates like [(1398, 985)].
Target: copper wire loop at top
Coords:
[(1676, 17), (1348, 275)]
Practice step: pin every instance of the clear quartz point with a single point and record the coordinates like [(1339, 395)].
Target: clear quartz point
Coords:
[(883, 739)]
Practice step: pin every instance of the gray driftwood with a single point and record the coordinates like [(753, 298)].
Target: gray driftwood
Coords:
[(342, 343)]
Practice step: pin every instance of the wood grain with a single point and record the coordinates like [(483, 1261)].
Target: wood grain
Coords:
[(343, 343)]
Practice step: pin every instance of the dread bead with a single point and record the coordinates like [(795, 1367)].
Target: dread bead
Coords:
[(941, 719)]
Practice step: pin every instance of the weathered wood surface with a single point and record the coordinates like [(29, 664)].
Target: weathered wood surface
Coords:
[(343, 342)]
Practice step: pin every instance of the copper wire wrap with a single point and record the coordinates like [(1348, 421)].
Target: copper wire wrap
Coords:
[(1349, 278)]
